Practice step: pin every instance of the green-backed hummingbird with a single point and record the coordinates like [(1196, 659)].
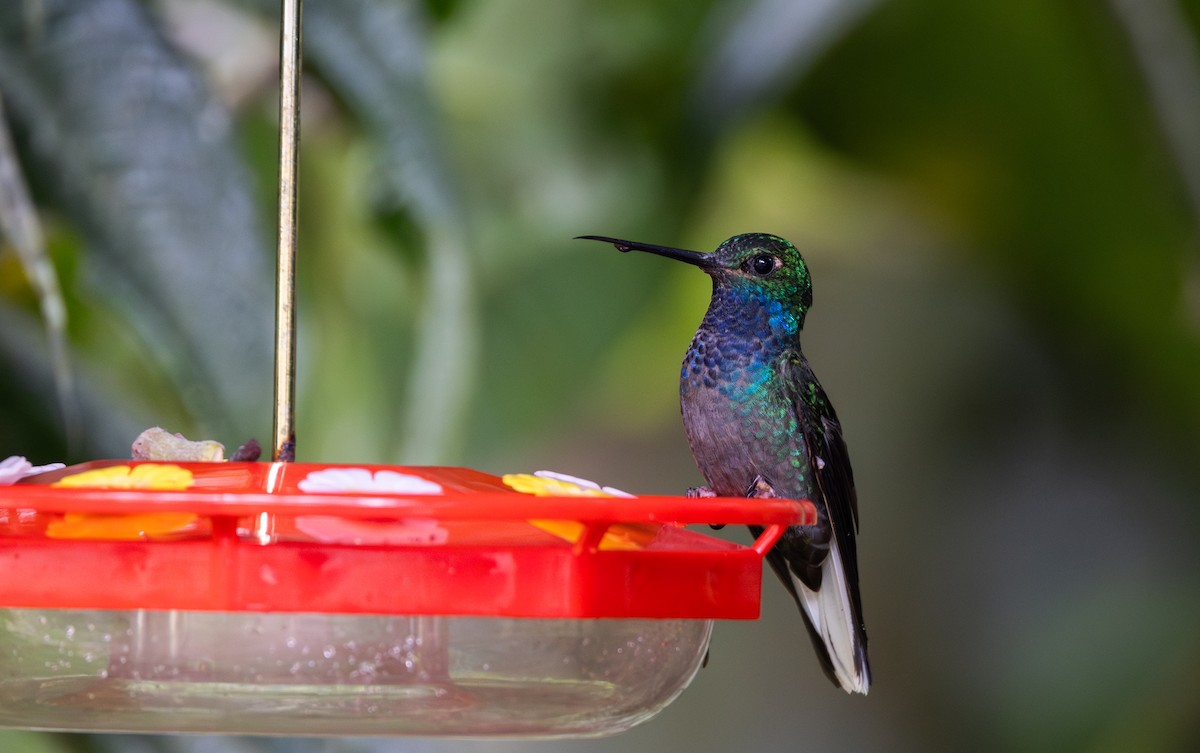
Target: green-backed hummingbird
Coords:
[(759, 424)]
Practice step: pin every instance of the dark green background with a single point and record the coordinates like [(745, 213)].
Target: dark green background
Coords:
[(999, 203)]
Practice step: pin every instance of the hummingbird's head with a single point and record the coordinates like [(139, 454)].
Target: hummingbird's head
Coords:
[(756, 265), (765, 264)]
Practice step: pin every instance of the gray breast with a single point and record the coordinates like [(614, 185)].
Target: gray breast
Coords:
[(733, 440)]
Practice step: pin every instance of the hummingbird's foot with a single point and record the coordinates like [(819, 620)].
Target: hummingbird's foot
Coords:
[(703, 492), (761, 488)]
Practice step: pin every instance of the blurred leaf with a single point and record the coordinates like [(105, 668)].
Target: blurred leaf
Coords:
[(442, 10), (134, 151), (373, 54), (110, 416), (12, 741), (1026, 126), (756, 50), (19, 222), (358, 297), (1166, 51)]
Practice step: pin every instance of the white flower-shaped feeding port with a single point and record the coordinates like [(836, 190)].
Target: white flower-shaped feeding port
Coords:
[(329, 529), (562, 483), (335, 480), (14, 468)]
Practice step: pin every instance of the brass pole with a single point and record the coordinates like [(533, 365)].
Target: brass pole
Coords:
[(290, 63)]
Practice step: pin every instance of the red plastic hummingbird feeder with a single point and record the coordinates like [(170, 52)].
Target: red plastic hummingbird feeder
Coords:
[(294, 598), (243, 603)]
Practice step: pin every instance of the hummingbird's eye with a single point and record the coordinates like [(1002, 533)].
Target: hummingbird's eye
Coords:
[(763, 264)]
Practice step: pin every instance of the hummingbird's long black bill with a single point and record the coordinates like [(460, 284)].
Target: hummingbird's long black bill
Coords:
[(679, 254)]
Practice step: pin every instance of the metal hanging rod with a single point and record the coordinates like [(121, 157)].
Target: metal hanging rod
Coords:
[(290, 63)]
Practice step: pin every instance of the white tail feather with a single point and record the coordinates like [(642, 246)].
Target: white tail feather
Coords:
[(830, 612)]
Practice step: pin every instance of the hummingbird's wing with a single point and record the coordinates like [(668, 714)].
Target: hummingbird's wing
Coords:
[(831, 599)]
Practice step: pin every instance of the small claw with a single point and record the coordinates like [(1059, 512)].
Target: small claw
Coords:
[(760, 488), (703, 492)]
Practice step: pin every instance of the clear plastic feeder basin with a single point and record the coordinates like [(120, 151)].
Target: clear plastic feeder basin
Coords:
[(311, 674), (267, 598)]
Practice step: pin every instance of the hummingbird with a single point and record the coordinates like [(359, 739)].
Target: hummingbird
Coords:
[(760, 425)]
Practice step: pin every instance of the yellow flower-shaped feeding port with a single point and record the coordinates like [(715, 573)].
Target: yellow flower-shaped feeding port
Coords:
[(165, 477), (551, 484), (131, 527)]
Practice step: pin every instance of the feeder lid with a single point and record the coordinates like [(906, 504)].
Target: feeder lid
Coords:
[(300, 537)]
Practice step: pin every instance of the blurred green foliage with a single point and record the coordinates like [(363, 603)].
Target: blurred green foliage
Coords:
[(998, 200)]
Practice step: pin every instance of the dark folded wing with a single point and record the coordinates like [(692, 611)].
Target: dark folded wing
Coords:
[(829, 462)]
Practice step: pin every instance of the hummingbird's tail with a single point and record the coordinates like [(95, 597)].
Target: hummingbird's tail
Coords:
[(831, 617), (835, 623)]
